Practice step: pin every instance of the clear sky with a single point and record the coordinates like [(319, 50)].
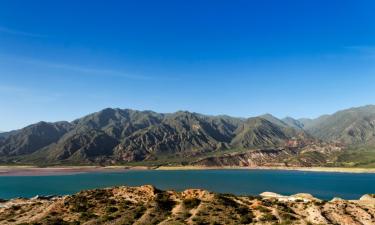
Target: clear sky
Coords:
[(60, 60)]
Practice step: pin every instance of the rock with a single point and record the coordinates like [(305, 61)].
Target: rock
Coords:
[(368, 197), (47, 197), (305, 197), (336, 199), (148, 205), (297, 197), (271, 195)]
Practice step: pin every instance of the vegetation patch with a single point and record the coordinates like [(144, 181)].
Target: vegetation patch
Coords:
[(268, 217), (191, 203), (164, 202)]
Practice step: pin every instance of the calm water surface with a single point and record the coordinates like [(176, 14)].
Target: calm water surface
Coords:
[(244, 182)]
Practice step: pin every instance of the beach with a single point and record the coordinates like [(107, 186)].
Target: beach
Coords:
[(66, 170)]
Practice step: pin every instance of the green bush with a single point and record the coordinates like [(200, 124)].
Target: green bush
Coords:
[(107, 218), (87, 215), (268, 217), (287, 216), (262, 209)]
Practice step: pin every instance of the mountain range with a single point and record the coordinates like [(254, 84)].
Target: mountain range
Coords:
[(125, 136)]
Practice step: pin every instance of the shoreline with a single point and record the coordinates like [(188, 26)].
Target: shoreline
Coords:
[(62, 170), (69, 170), (305, 169)]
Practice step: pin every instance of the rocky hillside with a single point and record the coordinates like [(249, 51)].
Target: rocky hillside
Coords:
[(33, 138), (264, 132), (147, 205), (301, 155), (355, 126), (114, 136)]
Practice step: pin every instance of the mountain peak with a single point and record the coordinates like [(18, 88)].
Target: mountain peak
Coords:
[(115, 135)]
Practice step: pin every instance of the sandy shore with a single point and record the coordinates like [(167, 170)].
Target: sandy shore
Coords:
[(308, 169), (37, 171)]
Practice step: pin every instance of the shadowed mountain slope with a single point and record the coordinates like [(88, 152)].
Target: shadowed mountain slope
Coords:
[(113, 136), (33, 138)]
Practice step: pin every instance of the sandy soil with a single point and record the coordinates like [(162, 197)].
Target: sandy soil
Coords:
[(311, 169), (37, 171)]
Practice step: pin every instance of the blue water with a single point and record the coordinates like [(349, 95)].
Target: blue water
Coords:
[(243, 182)]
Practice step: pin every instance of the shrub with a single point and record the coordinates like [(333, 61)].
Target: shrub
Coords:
[(227, 201), (139, 211), (287, 216), (199, 221), (268, 217), (268, 203), (285, 222), (15, 207), (79, 204), (57, 221), (111, 209), (262, 209), (215, 223), (186, 215), (242, 210), (107, 218), (164, 202), (191, 203), (87, 215), (245, 219)]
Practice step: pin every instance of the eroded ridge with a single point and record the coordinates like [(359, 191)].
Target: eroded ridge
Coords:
[(148, 205)]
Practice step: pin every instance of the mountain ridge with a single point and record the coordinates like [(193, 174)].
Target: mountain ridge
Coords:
[(114, 135), (149, 205)]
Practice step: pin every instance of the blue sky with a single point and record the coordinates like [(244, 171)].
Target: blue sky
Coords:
[(60, 60)]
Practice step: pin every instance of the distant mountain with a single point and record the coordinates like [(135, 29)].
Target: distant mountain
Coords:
[(355, 126), (33, 138), (116, 135), (113, 136), (307, 123), (260, 132), (6, 134), (128, 135), (273, 120), (296, 124)]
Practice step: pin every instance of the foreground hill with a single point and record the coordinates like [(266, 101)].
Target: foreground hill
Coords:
[(147, 205), (123, 136)]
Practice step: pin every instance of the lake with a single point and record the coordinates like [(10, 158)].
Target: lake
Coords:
[(323, 185)]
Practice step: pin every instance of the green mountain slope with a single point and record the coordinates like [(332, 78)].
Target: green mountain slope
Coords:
[(355, 126), (33, 138), (113, 136), (260, 132)]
